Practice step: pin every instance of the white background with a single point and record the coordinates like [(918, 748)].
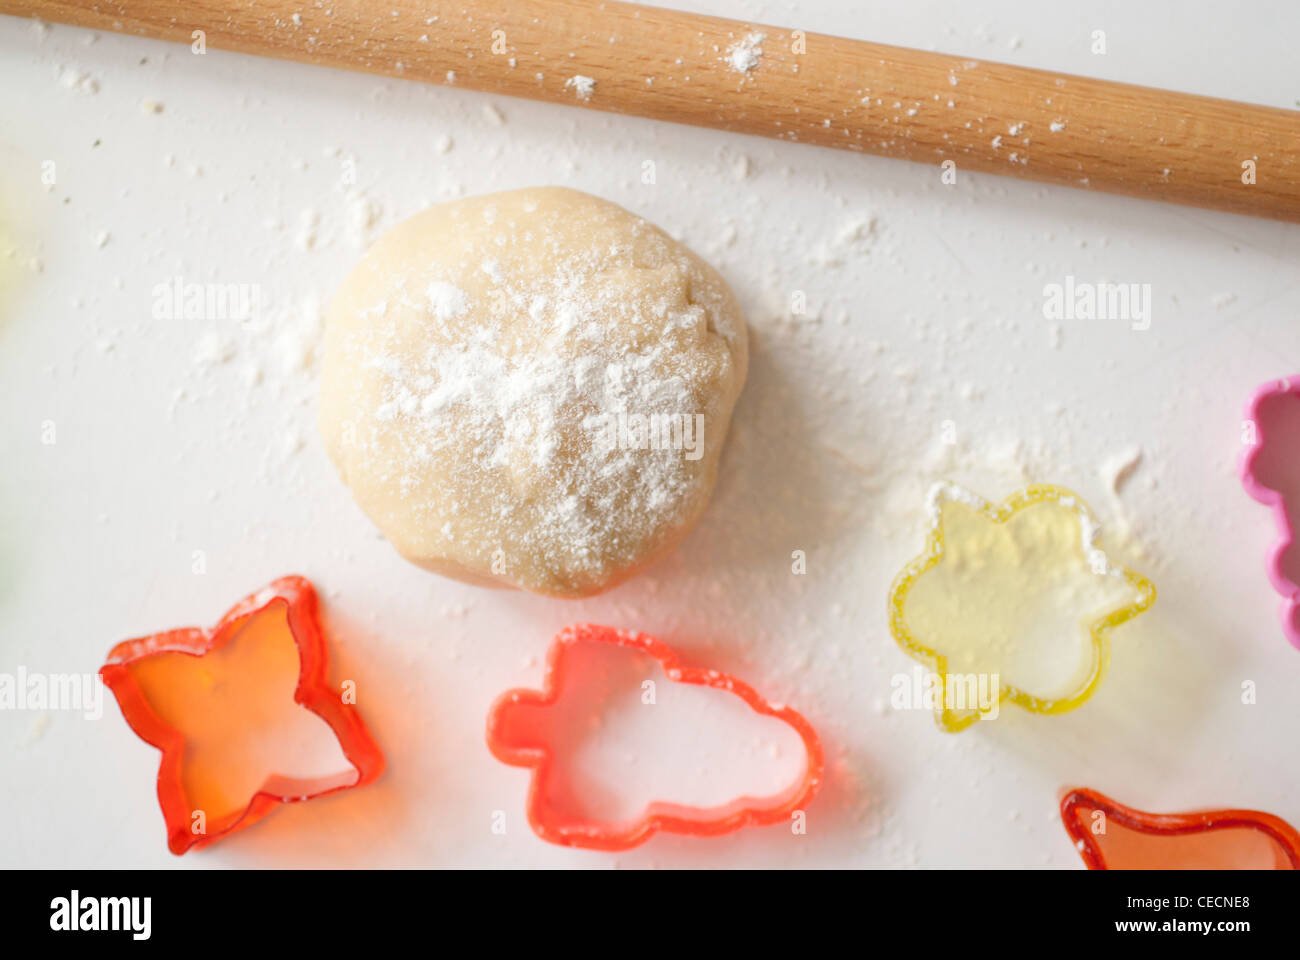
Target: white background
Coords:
[(927, 302)]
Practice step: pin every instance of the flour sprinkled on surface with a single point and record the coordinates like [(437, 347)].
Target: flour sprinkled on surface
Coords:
[(448, 300)]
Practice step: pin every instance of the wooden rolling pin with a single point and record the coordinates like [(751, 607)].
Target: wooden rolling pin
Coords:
[(782, 83)]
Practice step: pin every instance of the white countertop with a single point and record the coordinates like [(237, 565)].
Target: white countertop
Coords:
[(174, 437)]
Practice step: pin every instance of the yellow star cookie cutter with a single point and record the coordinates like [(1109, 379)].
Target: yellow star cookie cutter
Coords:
[(954, 721)]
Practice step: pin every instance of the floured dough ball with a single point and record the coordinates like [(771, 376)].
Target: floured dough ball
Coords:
[(531, 389)]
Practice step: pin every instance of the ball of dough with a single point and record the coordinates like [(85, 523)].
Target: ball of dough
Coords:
[(531, 389)]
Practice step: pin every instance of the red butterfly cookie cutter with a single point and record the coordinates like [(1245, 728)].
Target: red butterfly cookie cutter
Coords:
[(1245, 839), (298, 597), (1275, 394), (511, 743)]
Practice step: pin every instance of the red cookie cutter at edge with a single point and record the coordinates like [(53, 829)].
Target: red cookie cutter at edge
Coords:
[(1075, 803), (671, 818), (313, 692)]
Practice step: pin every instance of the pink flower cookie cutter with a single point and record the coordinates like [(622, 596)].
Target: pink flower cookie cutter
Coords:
[(1274, 403)]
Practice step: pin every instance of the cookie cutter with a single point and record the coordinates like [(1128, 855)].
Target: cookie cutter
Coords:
[(1080, 806), (298, 597), (668, 817), (1277, 499), (1099, 630)]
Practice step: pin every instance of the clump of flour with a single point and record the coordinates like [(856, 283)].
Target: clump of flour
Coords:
[(447, 300), (582, 86), (743, 55)]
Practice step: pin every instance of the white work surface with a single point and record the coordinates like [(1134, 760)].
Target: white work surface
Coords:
[(176, 436)]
